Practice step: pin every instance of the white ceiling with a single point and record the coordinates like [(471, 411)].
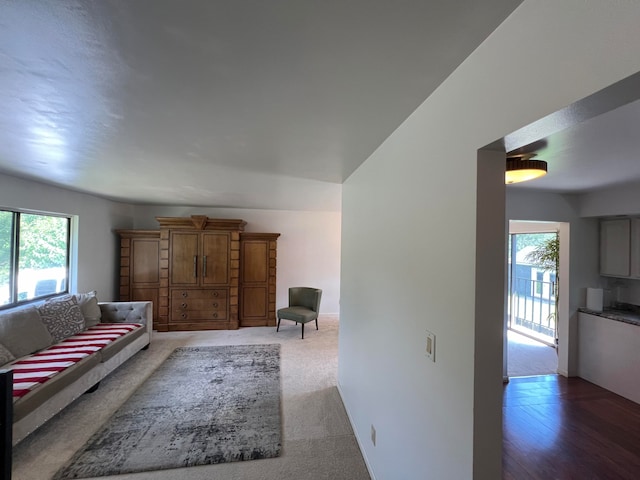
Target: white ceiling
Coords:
[(245, 103), (254, 104), (597, 153)]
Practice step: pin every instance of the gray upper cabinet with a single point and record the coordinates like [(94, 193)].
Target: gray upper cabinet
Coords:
[(635, 247), (615, 247)]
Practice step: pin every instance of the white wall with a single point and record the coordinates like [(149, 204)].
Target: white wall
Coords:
[(409, 239), (617, 200), (97, 247), (308, 246)]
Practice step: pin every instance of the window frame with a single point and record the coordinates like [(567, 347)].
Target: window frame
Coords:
[(14, 260)]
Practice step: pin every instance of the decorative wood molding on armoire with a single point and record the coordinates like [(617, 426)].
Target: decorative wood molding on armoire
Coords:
[(201, 273)]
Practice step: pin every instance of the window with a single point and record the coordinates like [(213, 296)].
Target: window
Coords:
[(34, 256)]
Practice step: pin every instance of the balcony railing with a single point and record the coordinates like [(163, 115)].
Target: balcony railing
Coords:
[(532, 309)]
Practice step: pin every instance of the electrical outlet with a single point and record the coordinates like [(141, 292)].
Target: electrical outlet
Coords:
[(430, 348), (373, 435)]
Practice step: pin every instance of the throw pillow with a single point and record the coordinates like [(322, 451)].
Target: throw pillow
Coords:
[(5, 355), (23, 332), (62, 317), (88, 303)]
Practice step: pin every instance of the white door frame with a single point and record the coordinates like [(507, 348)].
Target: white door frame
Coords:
[(521, 226)]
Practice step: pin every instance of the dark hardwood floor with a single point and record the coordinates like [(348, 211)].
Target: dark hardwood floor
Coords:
[(567, 428)]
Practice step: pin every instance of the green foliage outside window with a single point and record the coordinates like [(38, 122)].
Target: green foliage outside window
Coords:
[(6, 220), (546, 256), (42, 253), (43, 241)]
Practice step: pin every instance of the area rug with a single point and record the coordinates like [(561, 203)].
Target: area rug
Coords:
[(203, 405)]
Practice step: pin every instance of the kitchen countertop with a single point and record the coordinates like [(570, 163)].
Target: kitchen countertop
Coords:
[(626, 316)]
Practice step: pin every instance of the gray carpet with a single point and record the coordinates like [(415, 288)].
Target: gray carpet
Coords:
[(203, 405), (318, 442)]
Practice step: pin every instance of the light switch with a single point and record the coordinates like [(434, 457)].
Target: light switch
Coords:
[(431, 346)]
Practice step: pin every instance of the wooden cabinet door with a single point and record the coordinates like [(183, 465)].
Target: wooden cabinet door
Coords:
[(140, 268), (184, 258), (258, 279), (145, 271), (147, 294), (145, 257), (215, 259), (254, 306)]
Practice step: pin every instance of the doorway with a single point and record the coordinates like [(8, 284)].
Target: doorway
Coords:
[(533, 294)]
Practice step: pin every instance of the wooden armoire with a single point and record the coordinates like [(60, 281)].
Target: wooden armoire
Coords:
[(201, 273)]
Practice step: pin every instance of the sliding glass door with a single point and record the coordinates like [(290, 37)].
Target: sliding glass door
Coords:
[(533, 286)]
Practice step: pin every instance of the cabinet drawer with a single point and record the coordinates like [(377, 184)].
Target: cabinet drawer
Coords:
[(192, 304), (198, 315), (197, 293)]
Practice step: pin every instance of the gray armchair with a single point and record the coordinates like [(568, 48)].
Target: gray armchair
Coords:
[(304, 306)]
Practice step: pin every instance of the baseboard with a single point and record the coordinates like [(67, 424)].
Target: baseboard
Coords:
[(355, 433), (564, 373), (505, 379)]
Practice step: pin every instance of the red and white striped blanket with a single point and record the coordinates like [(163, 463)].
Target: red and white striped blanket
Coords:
[(40, 367)]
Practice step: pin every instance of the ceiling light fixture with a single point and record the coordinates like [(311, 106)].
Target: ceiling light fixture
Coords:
[(521, 168)]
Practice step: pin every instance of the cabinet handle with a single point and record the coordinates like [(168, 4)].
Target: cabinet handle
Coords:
[(184, 305), (215, 305), (215, 315), (195, 265), (215, 294), (185, 294), (204, 266), (184, 315)]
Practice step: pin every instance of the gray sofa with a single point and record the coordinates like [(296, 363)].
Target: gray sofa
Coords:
[(76, 325)]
